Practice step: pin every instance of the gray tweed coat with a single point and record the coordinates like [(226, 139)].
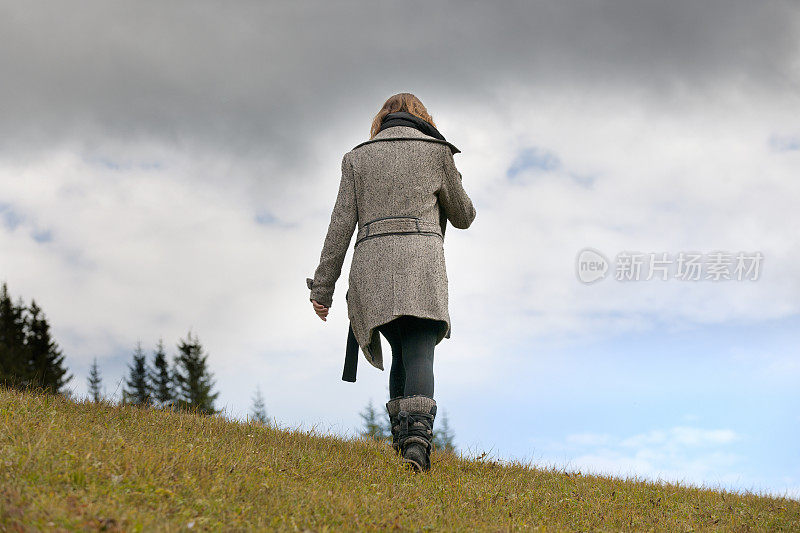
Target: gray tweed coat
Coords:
[(400, 194)]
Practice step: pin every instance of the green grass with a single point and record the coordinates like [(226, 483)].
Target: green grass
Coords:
[(68, 465)]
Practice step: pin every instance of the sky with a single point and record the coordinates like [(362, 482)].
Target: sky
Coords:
[(171, 167)]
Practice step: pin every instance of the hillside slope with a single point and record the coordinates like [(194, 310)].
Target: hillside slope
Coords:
[(68, 466)]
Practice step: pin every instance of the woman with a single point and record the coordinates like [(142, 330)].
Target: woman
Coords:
[(400, 188)]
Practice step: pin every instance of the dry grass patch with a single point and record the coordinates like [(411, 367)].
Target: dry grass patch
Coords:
[(76, 466)]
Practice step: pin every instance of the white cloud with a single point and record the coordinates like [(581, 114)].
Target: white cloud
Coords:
[(681, 436), (588, 439), (665, 180), (705, 457), (693, 455), (140, 252)]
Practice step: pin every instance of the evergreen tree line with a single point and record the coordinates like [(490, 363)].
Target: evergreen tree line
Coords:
[(185, 384), (377, 426), (29, 357)]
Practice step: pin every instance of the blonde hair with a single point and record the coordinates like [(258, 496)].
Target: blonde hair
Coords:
[(400, 102)]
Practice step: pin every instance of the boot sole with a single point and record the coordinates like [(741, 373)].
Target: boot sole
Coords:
[(415, 465)]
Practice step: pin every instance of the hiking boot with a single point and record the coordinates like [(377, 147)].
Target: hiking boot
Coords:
[(415, 416)]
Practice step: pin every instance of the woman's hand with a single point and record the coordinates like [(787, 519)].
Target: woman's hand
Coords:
[(320, 309)]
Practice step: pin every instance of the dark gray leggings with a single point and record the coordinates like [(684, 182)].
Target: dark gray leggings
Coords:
[(412, 340)]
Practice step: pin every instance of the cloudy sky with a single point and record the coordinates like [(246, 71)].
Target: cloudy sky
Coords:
[(172, 166)]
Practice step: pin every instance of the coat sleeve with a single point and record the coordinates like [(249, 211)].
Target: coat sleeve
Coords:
[(337, 241), (452, 196)]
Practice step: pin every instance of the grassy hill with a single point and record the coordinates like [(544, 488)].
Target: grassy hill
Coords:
[(76, 466)]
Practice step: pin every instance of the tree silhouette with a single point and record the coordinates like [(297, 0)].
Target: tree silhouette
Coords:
[(259, 411), (138, 390), (45, 359), (95, 381), (372, 425), (443, 436), (193, 379), (29, 357), (13, 350), (161, 377)]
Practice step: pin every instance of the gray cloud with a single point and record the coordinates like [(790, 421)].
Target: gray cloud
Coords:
[(260, 79)]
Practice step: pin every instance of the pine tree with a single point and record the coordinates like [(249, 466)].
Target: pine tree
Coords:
[(259, 411), (372, 428), (45, 358), (176, 401), (443, 436), (193, 379), (161, 378), (29, 357), (95, 381), (138, 389), (14, 354)]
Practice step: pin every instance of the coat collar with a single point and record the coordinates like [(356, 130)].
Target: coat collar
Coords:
[(401, 131), (406, 133)]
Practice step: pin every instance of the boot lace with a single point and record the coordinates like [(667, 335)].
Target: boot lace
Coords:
[(415, 428)]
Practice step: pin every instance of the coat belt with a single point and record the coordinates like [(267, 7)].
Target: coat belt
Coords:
[(397, 225)]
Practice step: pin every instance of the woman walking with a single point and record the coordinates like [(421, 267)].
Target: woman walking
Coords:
[(399, 188)]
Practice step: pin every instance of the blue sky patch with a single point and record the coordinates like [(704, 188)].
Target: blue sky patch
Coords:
[(535, 159), (42, 236), (784, 143), (266, 218), (11, 219), (584, 180), (651, 394), (112, 164)]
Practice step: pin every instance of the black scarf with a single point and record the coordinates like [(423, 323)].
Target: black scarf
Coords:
[(401, 118)]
